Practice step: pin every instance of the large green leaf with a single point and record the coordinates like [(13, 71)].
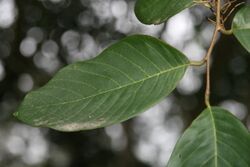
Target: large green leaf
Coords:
[(215, 139), (241, 26), (124, 80), (158, 11)]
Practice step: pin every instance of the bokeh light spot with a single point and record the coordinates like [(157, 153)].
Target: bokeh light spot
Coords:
[(119, 8), (236, 108), (28, 46), (8, 13), (25, 83)]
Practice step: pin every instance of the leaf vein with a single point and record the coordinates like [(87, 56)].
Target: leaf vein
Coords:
[(117, 88)]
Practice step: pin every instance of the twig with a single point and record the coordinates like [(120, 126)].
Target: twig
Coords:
[(219, 10), (231, 11), (209, 53)]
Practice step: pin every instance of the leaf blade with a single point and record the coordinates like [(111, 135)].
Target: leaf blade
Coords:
[(241, 27), (216, 138), (121, 82), (156, 12)]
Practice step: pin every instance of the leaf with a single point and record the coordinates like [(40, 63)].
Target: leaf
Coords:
[(124, 80), (241, 26), (215, 139), (158, 11)]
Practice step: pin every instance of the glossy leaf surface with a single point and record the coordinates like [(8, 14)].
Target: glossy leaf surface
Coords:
[(158, 11), (124, 80), (215, 139), (241, 27)]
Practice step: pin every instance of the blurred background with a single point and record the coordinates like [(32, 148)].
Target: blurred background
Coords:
[(38, 37)]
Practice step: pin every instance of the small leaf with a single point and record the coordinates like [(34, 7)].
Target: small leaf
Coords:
[(158, 11), (215, 139), (124, 80), (241, 26)]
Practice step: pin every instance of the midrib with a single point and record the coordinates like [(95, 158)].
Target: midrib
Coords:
[(117, 88), (214, 137)]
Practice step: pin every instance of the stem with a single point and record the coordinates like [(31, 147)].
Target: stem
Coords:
[(209, 53), (226, 32), (198, 63)]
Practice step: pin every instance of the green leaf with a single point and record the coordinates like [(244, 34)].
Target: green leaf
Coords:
[(158, 11), (241, 26), (124, 80), (215, 139)]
